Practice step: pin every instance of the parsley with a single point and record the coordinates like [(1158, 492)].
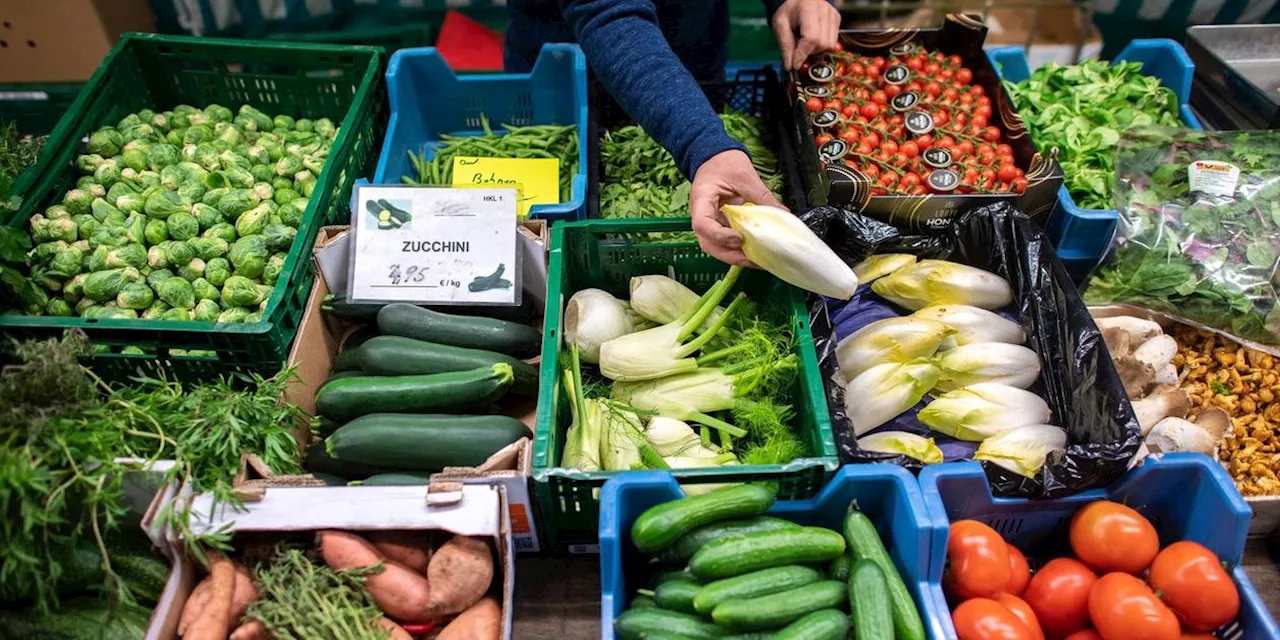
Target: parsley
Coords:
[(1219, 388)]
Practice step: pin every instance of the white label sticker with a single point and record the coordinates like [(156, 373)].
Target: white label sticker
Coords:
[(434, 245), (1215, 178)]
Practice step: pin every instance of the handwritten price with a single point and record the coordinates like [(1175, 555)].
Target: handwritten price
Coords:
[(410, 275)]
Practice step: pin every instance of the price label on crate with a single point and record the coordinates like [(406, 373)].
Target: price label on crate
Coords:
[(435, 245)]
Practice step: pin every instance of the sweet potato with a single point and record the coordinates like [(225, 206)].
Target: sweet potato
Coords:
[(460, 573), (251, 630), (214, 622), (342, 550), (196, 602), (397, 632), (243, 594), (483, 621), (410, 548), (398, 591)]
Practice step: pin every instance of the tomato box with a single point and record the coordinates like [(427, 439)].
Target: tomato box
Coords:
[(913, 127)]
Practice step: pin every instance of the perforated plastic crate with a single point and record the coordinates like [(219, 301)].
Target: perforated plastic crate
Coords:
[(390, 38), (1187, 496)]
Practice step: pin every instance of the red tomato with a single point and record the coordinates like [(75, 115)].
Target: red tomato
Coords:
[(1109, 536), (1020, 185), (836, 48), (924, 142), (892, 90), (1123, 607), (1198, 636), (880, 97), (933, 88), (1007, 173), (1004, 150), (822, 139), (1059, 595), (1191, 580), (982, 110), (832, 104), (850, 111), (979, 559), (984, 619), (863, 149), (1084, 634), (871, 171), (932, 69), (992, 134), (915, 64), (870, 110), (1019, 572), (909, 149), (911, 180), (889, 146), (813, 105), (965, 147), (964, 76), (976, 90), (1020, 608), (871, 139), (955, 61)]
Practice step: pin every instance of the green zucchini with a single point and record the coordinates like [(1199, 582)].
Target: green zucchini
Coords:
[(525, 312), (736, 555), (659, 527), (329, 479), (864, 544), (840, 567), (319, 461), (637, 624), (676, 595), (513, 339), (411, 442), (751, 585), (437, 392), (777, 610), (339, 307), (828, 624), (346, 361), (345, 373), (399, 356), (325, 427), (872, 613), (396, 480), (359, 337), (143, 573), (689, 543)]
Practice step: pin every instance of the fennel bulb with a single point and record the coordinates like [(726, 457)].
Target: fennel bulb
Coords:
[(704, 389), (982, 410), (622, 440), (902, 443), (1011, 364), (660, 299), (671, 437), (973, 325), (1022, 450), (931, 282), (582, 440), (889, 340), (593, 317), (881, 265), (778, 242), (884, 391)]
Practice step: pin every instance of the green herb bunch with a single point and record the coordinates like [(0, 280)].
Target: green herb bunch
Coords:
[(302, 600)]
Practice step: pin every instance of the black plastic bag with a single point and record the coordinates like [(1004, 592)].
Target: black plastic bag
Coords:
[(1077, 380)]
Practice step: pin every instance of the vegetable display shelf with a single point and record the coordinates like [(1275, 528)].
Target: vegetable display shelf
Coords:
[(391, 39), (598, 253), (429, 99), (886, 493), (160, 72), (1082, 236), (1187, 496)]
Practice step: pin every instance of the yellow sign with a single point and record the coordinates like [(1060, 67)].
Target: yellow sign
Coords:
[(537, 180)]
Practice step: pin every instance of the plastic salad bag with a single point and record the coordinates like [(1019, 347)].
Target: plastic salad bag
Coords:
[(1199, 232)]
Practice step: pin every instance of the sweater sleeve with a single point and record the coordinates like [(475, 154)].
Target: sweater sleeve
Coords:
[(629, 55), (771, 7)]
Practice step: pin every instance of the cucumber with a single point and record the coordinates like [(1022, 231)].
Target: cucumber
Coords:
[(513, 339), (349, 398), (777, 610), (751, 585), (319, 461), (396, 480), (346, 361), (144, 574), (674, 574), (643, 602), (840, 567), (864, 544), (676, 595), (688, 544), (828, 624), (637, 624), (422, 442), (399, 356), (659, 527), (736, 555), (869, 601)]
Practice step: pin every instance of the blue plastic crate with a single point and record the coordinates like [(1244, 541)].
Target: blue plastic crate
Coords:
[(428, 99), (1187, 496), (1082, 236), (886, 493)]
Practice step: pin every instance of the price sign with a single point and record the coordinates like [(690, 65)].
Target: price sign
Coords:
[(904, 100), (822, 72), (826, 118), (937, 157), (817, 90), (919, 122), (536, 179), (943, 180), (897, 74), (833, 149), (435, 245)]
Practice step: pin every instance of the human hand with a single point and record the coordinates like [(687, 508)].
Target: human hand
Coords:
[(818, 23), (726, 178)]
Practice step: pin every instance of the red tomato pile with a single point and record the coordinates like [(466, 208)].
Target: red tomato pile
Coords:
[(892, 118), (1120, 585)]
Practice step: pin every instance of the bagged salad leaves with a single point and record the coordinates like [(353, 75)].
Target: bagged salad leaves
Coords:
[(1199, 232)]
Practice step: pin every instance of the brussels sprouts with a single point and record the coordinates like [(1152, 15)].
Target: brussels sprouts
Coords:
[(275, 150), (97, 261), (129, 255), (67, 263), (174, 137), (165, 203), (115, 219), (264, 191), (135, 295), (206, 215), (239, 177), (198, 117), (194, 173), (136, 228), (101, 286), (212, 196), (83, 306), (192, 270), (45, 230), (57, 211), (283, 122), (196, 134), (217, 180), (241, 292), (325, 127), (234, 314), (177, 292), (45, 251), (148, 179), (86, 225), (162, 155), (304, 124), (236, 202), (118, 189), (216, 271), (257, 120), (89, 163), (183, 226), (135, 159), (230, 160), (219, 146), (249, 256), (227, 132), (58, 307), (131, 120), (172, 177), (109, 236), (141, 131), (251, 222), (179, 121), (289, 165), (105, 142), (209, 248), (258, 155), (262, 174), (305, 183), (206, 156), (156, 231), (223, 230), (77, 201), (177, 252), (205, 290), (253, 318), (131, 202), (218, 113), (107, 173), (291, 214), (73, 290), (206, 310), (279, 184), (95, 190), (191, 190), (101, 210), (182, 315), (156, 310), (110, 313), (81, 245), (157, 276), (278, 236), (275, 265), (273, 212)]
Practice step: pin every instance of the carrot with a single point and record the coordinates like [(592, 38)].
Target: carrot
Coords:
[(460, 573), (251, 630), (397, 632), (215, 621), (195, 605), (410, 548), (397, 590), (483, 621)]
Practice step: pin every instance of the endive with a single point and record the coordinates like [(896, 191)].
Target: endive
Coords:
[(903, 443), (880, 265), (884, 391), (943, 282), (593, 317), (972, 324), (781, 244), (980, 411), (1023, 450), (889, 340), (1011, 364)]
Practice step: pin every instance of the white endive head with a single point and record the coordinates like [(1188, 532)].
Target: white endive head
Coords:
[(1022, 450), (672, 437), (884, 391), (1011, 364), (943, 282), (880, 265), (781, 244), (889, 340), (980, 411), (593, 317), (973, 324), (660, 299), (903, 443)]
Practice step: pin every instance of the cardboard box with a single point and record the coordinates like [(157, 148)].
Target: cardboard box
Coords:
[(63, 40)]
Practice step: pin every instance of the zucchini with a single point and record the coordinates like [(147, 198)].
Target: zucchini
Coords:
[(751, 585), (659, 527), (349, 398), (423, 442), (407, 320), (325, 427), (689, 543), (346, 361), (872, 614), (329, 479), (396, 480), (345, 373), (637, 624), (358, 337), (777, 610), (676, 595), (736, 555), (840, 567), (319, 461), (828, 624), (524, 313), (864, 544), (399, 356), (339, 307), (144, 574)]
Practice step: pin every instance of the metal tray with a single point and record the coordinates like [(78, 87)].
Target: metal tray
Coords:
[(1243, 63)]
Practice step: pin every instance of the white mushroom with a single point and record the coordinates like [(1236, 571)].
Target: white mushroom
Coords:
[(1139, 330), (1163, 403), (1157, 352), (1166, 375), (1176, 434), (1215, 422)]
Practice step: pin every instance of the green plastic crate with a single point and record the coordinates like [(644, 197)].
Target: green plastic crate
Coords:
[(605, 254), (34, 107), (391, 38), (343, 83)]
